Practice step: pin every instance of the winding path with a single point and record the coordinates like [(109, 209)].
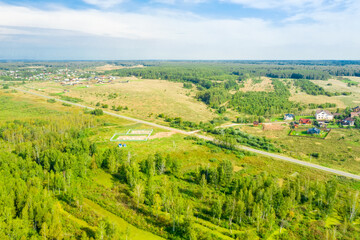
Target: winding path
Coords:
[(208, 138)]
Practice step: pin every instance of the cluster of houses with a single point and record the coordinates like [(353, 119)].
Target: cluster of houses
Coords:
[(323, 117)]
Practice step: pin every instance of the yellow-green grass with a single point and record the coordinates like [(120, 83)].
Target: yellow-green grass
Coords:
[(305, 117), (304, 133), (102, 178), (304, 98), (340, 86), (81, 223), (335, 150), (262, 84), (20, 106), (142, 97), (122, 225)]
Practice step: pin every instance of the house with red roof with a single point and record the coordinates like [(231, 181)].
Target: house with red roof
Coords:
[(305, 121)]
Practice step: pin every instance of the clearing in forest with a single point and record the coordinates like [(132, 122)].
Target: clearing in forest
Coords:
[(132, 135), (258, 85)]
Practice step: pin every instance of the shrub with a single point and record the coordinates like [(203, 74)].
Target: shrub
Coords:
[(97, 112)]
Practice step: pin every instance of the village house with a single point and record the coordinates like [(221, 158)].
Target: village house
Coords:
[(348, 121), (356, 109), (313, 131), (289, 117), (323, 115), (304, 121)]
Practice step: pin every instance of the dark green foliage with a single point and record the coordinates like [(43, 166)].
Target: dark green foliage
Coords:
[(70, 99), (263, 103), (214, 97), (97, 112), (231, 137), (187, 85), (51, 100)]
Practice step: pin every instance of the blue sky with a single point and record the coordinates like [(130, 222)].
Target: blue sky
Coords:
[(179, 29)]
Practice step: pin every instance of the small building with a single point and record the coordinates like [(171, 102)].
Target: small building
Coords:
[(256, 123), (323, 115), (305, 121), (313, 131), (348, 121), (289, 117)]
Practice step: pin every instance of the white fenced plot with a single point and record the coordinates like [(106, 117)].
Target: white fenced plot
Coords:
[(132, 135)]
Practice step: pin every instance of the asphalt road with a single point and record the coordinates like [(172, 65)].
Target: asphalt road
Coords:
[(208, 138)]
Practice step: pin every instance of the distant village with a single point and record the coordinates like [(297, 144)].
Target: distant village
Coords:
[(324, 119)]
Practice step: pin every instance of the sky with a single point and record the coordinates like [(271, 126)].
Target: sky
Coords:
[(179, 29)]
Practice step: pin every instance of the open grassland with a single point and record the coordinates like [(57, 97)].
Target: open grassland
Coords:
[(334, 85), (257, 85), (340, 149), (144, 98), (304, 98), (109, 67)]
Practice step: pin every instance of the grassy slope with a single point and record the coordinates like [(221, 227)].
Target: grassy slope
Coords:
[(122, 225), (143, 97), (340, 149)]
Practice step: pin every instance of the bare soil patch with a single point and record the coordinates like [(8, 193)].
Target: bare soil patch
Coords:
[(272, 126), (162, 135)]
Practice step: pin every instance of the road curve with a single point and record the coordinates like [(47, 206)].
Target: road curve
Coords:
[(208, 138)]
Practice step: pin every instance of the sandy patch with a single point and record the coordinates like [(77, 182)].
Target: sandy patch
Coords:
[(109, 67), (264, 85), (162, 135), (237, 168), (272, 126), (281, 182)]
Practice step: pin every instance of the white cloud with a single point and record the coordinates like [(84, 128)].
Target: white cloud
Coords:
[(181, 35), (280, 4), (172, 2), (104, 3)]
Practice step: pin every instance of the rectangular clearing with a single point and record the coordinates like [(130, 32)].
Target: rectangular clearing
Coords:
[(132, 135)]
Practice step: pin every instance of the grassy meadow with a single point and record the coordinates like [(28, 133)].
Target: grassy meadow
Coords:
[(144, 98)]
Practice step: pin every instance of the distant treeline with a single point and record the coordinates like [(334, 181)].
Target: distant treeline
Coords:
[(201, 71)]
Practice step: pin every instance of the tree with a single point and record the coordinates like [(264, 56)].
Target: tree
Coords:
[(239, 211), (44, 231), (217, 208), (203, 186), (157, 205), (138, 193)]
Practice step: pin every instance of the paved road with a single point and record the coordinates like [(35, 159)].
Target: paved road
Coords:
[(208, 138)]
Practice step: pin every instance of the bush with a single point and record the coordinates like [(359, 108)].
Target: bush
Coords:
[(97, 112), (51, 100), (5, 86), (187, 85)]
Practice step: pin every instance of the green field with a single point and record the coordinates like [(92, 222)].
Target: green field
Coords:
[(304, 133)]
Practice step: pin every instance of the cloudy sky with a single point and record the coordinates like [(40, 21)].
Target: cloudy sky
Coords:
[(179, 29)]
